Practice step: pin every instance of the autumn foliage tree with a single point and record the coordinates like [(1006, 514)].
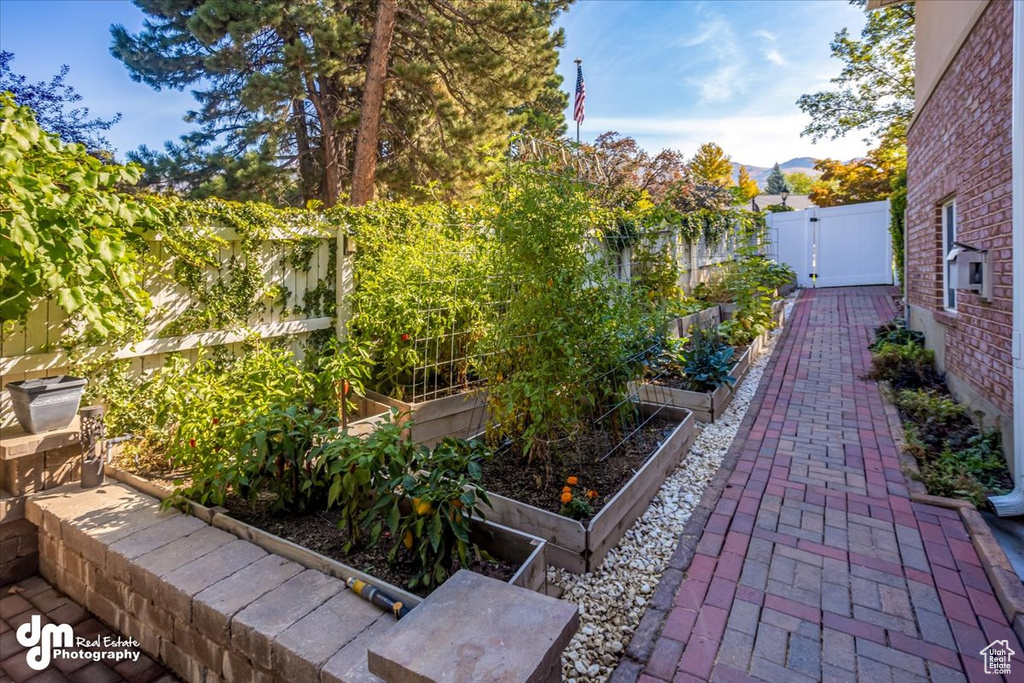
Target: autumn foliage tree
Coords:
[(283, 90), (628, 170), (711, 165), (862, 180), (746, 187)]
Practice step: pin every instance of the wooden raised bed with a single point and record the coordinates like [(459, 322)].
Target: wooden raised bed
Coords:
[(779, 312), (461, 415), (503, 543), (680, 327), (580, 547), (706, 406)]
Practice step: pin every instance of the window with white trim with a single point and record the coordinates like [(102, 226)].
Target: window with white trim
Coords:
[(948, 238)]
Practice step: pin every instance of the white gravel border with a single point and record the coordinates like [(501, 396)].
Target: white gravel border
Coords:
[(613, 599)]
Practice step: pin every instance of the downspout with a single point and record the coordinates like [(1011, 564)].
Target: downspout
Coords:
[(1013, 503)]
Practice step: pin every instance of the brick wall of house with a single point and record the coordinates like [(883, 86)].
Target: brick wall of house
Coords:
[(960, 145)]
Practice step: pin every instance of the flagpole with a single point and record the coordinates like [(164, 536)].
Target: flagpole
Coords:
[(578, 61)]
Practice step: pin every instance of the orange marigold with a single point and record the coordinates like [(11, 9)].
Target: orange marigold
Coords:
[(591, 494), (571, 481), (566, 489), (566, 498)]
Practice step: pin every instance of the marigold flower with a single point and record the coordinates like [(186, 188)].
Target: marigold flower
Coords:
[(591, 494), (566, 498), (566, 489), (405, 337), (572, 481), (192, 443)]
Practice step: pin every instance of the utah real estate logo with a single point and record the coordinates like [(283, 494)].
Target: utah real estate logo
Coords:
[(997, 657)]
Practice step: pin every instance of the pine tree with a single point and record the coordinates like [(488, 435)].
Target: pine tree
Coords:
[(777, 182), (711, 166), (281, 88)]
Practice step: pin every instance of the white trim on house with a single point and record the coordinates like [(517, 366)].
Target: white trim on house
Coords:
[(1013, 503), (948, 238)]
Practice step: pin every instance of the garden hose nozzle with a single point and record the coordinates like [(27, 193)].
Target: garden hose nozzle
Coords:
[(377, 597)]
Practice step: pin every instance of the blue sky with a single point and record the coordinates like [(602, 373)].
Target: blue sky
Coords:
[(669, 73)]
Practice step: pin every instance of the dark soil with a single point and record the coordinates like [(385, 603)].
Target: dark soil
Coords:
[(319, 532), (508, 475)]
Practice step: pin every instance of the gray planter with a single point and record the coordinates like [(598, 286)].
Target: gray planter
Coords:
[(43, 405)]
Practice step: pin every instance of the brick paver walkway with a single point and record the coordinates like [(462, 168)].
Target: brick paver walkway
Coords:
[(815, 564), (19, 601)]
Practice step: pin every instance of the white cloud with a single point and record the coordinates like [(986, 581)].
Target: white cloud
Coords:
[(720, 59), (759, 140), (774, 57), (761, 33)]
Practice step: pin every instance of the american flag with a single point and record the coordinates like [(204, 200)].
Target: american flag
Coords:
[(581, 95)]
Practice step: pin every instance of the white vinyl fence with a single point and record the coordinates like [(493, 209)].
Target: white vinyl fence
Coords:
[(837, 246)]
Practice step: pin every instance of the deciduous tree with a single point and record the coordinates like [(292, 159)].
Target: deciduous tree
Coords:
[(51, 101), (799, 183), (711, 165), (746, 187), (875, 90)]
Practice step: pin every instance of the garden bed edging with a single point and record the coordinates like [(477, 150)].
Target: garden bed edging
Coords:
[(580, 548), (529, 552)]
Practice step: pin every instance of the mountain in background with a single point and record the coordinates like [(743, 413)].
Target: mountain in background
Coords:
[(760, 173)]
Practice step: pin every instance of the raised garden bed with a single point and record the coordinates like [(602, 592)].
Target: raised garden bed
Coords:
[(581, 546), (461, 415), (709, 316), (706, 406), (523, 556)]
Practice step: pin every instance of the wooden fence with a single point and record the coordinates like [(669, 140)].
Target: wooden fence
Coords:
[(33, 351)]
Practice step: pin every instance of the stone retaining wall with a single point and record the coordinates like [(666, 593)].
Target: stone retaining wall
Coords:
[(212, 607)]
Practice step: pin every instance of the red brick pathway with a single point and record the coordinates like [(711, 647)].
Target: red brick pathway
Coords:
[(815, 564), (23, 599)]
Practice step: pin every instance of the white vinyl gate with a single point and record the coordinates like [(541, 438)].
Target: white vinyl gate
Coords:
[(835, 247)]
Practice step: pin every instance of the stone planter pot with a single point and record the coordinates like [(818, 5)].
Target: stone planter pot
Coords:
[(43, 405), (581, 547)]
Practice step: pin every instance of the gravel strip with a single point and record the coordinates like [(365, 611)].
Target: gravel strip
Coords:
[(612, 599)]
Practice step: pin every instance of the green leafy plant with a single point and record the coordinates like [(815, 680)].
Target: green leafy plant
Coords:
[(971, 473), (540, 365), (707, 362), (345, 366), (421, 294), (905, 366), (67, 231), (895, 332)]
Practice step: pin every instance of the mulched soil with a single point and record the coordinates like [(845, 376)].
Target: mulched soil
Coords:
[(319, 532), (508, 475)]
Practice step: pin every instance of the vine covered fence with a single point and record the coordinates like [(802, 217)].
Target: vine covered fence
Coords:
[(289, 287)]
